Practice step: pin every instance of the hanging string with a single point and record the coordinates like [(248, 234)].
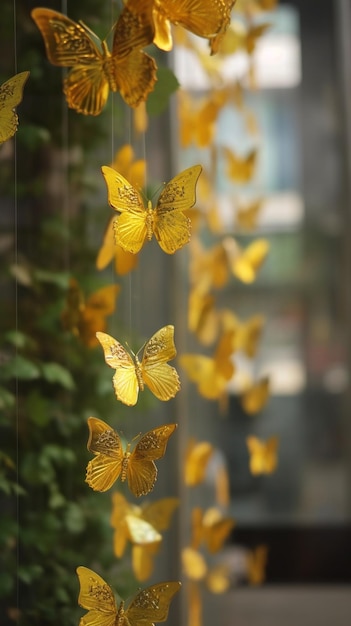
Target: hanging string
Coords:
[(17, 505)]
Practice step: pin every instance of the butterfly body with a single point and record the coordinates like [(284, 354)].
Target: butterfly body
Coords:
[(137, 223), (132, 374), (137, 467)]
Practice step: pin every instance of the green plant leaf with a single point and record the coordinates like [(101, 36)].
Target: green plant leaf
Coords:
[(61, 279), (7, 399), (19, 339), (38, 408), (21, 368), (167, 83), (56, 373)]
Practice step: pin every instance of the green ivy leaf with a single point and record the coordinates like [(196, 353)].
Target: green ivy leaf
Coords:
[(38, 408), (167, 83), (61, 279), (56, 373), (19, 339), (7, 399), (21, 368), (74, 519)]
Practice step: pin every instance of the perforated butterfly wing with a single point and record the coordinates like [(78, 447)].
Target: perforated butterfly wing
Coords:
[(96, 596), (171, 226), (142, 471), (151, 604), (161, 378), (134, 71), (70, 44), (104, 469), (11, 93), (204, 19), (125, 380), (130, 228)]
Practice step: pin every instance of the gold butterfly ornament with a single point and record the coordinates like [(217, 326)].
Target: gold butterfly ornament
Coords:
[(94, 70), (142, 526), (11, 94), (148, 606), (166, 221), (112, 461), (263, 454), (152, 370)]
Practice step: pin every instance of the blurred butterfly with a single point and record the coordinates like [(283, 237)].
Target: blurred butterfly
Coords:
[(141, 525), (246, 262), (208, 267), (248, 334), (153, 370), (83, 316), (94, 70), (251, 7), (211, 374), (148, 606), (255, 397), (196, 569), (263, 454), (204, 19), (256, 565), (240, 169), (247, 217), (166, 221), (197, 457), (210, 528), (238, 37), (11, 93), (203, 319), (197, 121), (111, 461)]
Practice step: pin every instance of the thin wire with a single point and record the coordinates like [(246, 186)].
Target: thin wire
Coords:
[(16, 320)]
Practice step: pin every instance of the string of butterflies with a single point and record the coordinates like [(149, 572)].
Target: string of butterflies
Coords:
[(94, 71)]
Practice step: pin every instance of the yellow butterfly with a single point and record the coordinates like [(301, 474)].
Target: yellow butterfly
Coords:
[(203, 319), (210, 528), (263, 455), (247, 216), (111, 461), (204, 19), (196, 569), (94, 70), (256, 565), (246, 262), (11, 93), (141, 525), (211, 374), (208, 268), (83, 317), (197, 457), (256, 396), (216, 42), (148, 606), (166, 221), (197, 122), (153, 370), (240, 169)]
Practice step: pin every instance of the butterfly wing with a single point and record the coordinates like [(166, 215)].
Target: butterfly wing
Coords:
[(130, 227), (196, 460), (69, 44), (204, 19), (120, 509), (159, 513), (171, 226), (151, 604), (125, 380), (134, 28), (143, 559), (161, 378), (105, 443), (142, 471), (96, 596), (135, 76), (11, 93)]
